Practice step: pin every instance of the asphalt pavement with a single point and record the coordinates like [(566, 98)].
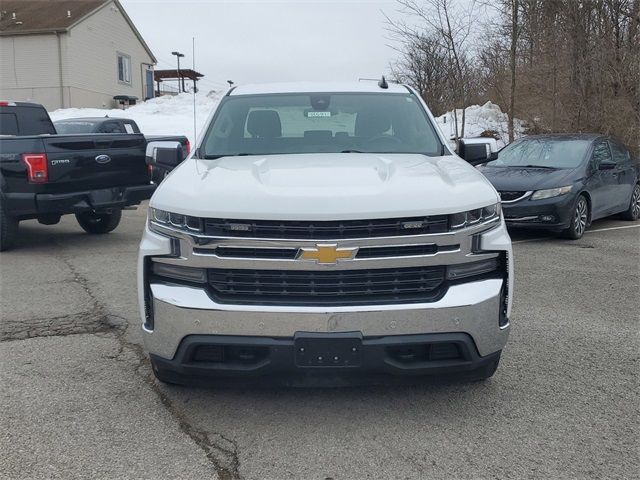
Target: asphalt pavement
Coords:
[(78, 398)]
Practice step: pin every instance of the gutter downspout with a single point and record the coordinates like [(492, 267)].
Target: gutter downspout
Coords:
[(62, 105)]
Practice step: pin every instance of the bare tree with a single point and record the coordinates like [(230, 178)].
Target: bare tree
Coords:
[(423, 64), (449, 26), (515, 33), (560, 65)]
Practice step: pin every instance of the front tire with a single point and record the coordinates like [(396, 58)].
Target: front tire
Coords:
[(633, 212), (99, 223), (579, 220), (8, 230)]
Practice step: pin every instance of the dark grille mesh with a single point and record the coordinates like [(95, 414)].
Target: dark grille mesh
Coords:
[(326, 230), (351, 287), (508, 196)]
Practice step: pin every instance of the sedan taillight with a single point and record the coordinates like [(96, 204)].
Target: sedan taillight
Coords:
[(37, 167)]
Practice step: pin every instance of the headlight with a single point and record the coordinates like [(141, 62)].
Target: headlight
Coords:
[(550, 192), (177, 221), (474, 217)]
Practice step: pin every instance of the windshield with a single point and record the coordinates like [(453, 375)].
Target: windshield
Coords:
[(320, 123), (543, 152)]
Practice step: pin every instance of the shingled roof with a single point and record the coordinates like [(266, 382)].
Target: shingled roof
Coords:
[(31, 16), (42, 16)]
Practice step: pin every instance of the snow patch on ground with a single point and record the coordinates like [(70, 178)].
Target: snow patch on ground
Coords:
[(478, 119), (167, 115)]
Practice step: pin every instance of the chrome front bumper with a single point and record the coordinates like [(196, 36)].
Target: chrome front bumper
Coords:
[(469, 308), (179, 311)]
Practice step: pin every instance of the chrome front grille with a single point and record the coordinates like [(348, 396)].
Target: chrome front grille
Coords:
[(210, 251), (393, 269), (363, 252)]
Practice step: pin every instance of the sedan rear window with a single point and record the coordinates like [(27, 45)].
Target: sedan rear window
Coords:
[(543, 152)]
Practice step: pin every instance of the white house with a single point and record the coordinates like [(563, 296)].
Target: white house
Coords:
[(72, 53)]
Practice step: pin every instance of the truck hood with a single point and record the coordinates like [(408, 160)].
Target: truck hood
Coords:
[(324, 186)]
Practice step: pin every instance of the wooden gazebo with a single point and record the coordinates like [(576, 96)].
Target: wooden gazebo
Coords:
[(161, 75)]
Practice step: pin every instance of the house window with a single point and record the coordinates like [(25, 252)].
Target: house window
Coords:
[(124, 68)]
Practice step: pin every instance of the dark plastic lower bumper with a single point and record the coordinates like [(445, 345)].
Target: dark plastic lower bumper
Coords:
[(321, 358), (551, 213), (31, 205)]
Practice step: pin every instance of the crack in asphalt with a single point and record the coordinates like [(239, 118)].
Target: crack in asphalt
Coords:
[(222, 452), (91, 321), (59, 326)]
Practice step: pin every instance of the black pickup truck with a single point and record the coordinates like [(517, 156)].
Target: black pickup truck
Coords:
[(44, 175), (108, 124)]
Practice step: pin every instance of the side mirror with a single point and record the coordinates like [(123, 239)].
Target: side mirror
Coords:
[(475, 153), (607, 165), (164, 155)]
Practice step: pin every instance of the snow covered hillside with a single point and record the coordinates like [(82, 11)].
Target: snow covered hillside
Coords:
[(174, 116), (478, 119), (160, 116)]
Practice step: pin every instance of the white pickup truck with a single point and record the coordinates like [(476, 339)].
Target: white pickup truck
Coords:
[(323, 232)]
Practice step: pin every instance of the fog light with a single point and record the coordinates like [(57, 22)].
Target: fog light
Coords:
[(189, 274), (547, 218), (209, 353), (464, 270)]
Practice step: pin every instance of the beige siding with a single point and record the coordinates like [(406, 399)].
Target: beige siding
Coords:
[(90, 58), (30, 64), (30, 69)]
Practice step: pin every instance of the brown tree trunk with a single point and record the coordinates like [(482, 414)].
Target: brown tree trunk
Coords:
[(512, 65)]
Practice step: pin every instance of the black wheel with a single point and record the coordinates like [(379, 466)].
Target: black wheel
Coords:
[(633, 212), (8, 231), (97, 223), (579, 219)]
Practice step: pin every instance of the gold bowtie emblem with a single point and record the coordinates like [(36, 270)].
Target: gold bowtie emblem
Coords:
[(326, 254)]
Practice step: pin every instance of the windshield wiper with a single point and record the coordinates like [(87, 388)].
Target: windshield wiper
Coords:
[(538, 166), (352, 151)]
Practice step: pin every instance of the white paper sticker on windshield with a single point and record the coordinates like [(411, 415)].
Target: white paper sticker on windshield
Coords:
[(128, 128), (311, 114)]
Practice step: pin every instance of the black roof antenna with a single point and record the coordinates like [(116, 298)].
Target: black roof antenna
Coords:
[(383, 83)]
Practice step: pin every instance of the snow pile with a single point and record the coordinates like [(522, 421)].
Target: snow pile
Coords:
[(167, 115), (173, 115), (480, 118)]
